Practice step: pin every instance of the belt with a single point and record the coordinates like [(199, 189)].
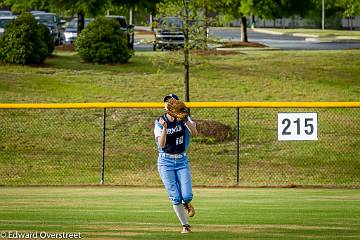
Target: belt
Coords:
[(172, 156)]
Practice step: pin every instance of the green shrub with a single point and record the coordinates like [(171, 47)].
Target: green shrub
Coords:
[(22, 42), (47, 37), (102, 41)]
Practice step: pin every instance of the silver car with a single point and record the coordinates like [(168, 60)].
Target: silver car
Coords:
[(4, 13), (70, 33), (4, 21)]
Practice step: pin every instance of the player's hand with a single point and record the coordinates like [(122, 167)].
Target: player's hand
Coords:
[(163, 123)]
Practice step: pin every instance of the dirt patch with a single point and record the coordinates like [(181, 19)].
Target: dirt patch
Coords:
[(213, 52), (143, 32), (65, 47), (242, 45), (214, 130)]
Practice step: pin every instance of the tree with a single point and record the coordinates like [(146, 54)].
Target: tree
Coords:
[(332, 13), (188, 11), (103, 42), (24, 41), (349, 8), (235, 8), (289, 8), (81, 8), (242, 9), (20, 6), (148, 5)]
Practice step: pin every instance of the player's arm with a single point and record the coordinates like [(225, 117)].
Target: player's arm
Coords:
[(191, 125), (162, 137)]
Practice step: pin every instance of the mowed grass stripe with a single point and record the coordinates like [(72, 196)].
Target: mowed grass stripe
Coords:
[(146, 213)]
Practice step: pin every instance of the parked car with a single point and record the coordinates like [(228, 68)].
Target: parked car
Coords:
[(50, 20), (169, 33), (4, 21), (127, 29), (35, 12), (5, 13), (70, 33)]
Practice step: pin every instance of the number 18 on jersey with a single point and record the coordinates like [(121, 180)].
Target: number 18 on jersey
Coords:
[(297, 126)]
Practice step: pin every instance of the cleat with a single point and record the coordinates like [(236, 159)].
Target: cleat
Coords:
[(186, 229), (190, 210)]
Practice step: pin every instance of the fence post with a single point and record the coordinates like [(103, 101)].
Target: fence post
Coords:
[(237, 146), (103, 148)]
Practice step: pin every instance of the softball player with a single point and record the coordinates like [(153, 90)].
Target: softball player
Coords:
[(172, 138)]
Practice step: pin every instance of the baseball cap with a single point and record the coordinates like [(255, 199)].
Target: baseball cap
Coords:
[(170, 96)]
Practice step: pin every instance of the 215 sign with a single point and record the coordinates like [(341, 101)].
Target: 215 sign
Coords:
[(297, 127)]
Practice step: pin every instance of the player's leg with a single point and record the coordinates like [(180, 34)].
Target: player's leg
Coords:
[(168, 176), (183, 175)]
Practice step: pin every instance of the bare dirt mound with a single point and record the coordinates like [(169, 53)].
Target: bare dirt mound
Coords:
[(215, 130), (213, 52), (65, 47), (239, 44)]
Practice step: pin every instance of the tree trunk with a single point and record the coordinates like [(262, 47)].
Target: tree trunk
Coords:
[(244, 37), (81, 21)]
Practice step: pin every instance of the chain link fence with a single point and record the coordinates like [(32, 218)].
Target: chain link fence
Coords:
[(66, 147)]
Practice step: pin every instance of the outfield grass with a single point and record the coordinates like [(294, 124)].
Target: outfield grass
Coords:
[(64, 146), (138, 213), (249, 76)]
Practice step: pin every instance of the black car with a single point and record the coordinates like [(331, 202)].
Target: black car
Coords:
[(169, 33), (127, 29), (50, 20)]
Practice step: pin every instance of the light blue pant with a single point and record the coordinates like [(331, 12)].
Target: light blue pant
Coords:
[(176, 176)]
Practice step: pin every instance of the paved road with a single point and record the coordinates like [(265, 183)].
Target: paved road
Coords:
[(274, 41), (284, 42)]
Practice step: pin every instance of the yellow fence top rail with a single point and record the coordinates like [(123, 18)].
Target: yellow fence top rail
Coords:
[(189, 104)]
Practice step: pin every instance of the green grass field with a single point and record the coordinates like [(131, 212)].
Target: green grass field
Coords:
[(247, 76), (146, 213)]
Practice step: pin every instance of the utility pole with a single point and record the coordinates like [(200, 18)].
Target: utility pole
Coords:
[(131, 16), (151, 22), (323, 15), (26, 6), (186, 53)]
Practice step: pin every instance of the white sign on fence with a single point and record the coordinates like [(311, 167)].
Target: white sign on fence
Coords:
[(297, 126)]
